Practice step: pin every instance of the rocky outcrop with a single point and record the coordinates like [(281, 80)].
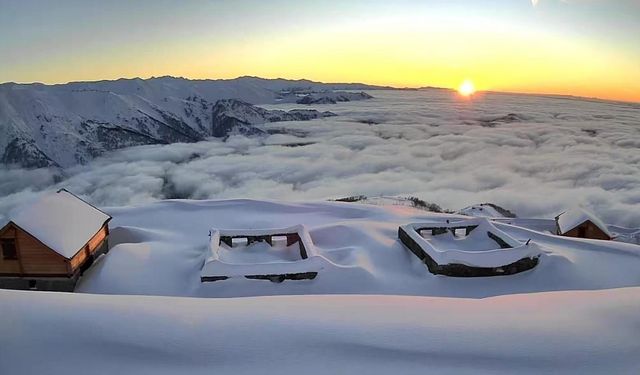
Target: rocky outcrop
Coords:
[(25, 153), (235, 116), (333, 97)]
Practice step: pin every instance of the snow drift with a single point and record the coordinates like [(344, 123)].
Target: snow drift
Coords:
[(591, 332)]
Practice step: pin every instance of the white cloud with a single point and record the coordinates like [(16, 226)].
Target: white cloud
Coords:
[(564, 152)]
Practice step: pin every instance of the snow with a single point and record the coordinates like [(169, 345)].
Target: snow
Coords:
[(576, 216), (481, 210), (61, 221), (373, 309), (161, 248), (260, 258), (63, 125), (622, 234), (475, 249), (581, 332)]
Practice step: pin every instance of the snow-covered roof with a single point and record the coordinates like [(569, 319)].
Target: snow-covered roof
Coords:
[(573, 217), (61, 221)]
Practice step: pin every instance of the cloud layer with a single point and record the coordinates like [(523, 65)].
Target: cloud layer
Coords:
[(534, 155)]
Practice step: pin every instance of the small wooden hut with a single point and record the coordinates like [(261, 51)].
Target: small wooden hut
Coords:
[(48, 244), (580, 223)]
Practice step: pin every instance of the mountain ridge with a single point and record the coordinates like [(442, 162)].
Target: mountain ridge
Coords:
[(67, 124)]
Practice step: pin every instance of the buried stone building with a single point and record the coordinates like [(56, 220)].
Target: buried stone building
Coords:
[(468, 248), (264, 254), (48, 244)]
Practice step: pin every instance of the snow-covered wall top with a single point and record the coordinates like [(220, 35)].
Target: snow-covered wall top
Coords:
[(239, 263), (476, 249)]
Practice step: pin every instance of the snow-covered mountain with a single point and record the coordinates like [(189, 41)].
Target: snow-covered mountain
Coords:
[(47, 125), (487, 210), (231, 115), (333, 97)]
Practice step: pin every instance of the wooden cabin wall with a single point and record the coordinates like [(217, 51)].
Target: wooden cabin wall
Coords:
[(94, 244), (78, 260), (9, 266), (37, 259), (96, 241), (590, 230)]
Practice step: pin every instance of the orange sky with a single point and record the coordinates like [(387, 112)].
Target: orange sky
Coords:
[(554, 47)]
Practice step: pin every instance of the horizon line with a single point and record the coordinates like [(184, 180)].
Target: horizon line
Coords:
[(422, 87)]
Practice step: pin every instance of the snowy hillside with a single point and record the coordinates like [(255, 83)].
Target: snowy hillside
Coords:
[(486, 210), (160, 249), (576, 311), (67, 124), (580, 332)]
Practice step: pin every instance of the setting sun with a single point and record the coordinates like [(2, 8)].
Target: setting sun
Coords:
[(467, 88)]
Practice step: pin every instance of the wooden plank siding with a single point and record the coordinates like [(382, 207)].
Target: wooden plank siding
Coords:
[(9, 266), (78, 260), (36, 258), (95, 242), (90, 248), (587, 230)]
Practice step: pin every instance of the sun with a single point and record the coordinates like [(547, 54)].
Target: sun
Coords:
[(467, 88)]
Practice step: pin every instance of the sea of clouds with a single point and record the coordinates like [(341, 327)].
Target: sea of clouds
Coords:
[(534, 155)]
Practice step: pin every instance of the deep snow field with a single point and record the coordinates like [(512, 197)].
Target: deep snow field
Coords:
[(534, 155), (159, 249), (373, 307)]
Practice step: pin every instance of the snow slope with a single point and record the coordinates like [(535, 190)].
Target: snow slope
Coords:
[(592, 332), (584, 322), (486, 210)]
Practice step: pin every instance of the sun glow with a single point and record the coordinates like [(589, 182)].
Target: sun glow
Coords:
[(467, 88)]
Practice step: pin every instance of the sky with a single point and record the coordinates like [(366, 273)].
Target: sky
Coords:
[(570, 47)]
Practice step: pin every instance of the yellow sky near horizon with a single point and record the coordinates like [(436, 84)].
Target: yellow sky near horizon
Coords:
[(402, 50)]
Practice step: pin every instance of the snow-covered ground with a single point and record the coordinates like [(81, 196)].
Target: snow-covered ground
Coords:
[(373, 308), (581, 332), (160, 248)]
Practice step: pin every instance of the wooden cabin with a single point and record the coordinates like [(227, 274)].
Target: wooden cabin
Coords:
[(581, 224), (48, 244)]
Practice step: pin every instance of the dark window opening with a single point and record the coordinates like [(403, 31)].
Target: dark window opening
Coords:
[(9, 249), (32, 284), (582, 232)]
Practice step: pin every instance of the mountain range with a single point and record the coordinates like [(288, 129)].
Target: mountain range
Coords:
[(67, 124)]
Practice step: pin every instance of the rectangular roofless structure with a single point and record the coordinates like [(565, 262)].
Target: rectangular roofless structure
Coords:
[(269, 262), (468, 248)]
